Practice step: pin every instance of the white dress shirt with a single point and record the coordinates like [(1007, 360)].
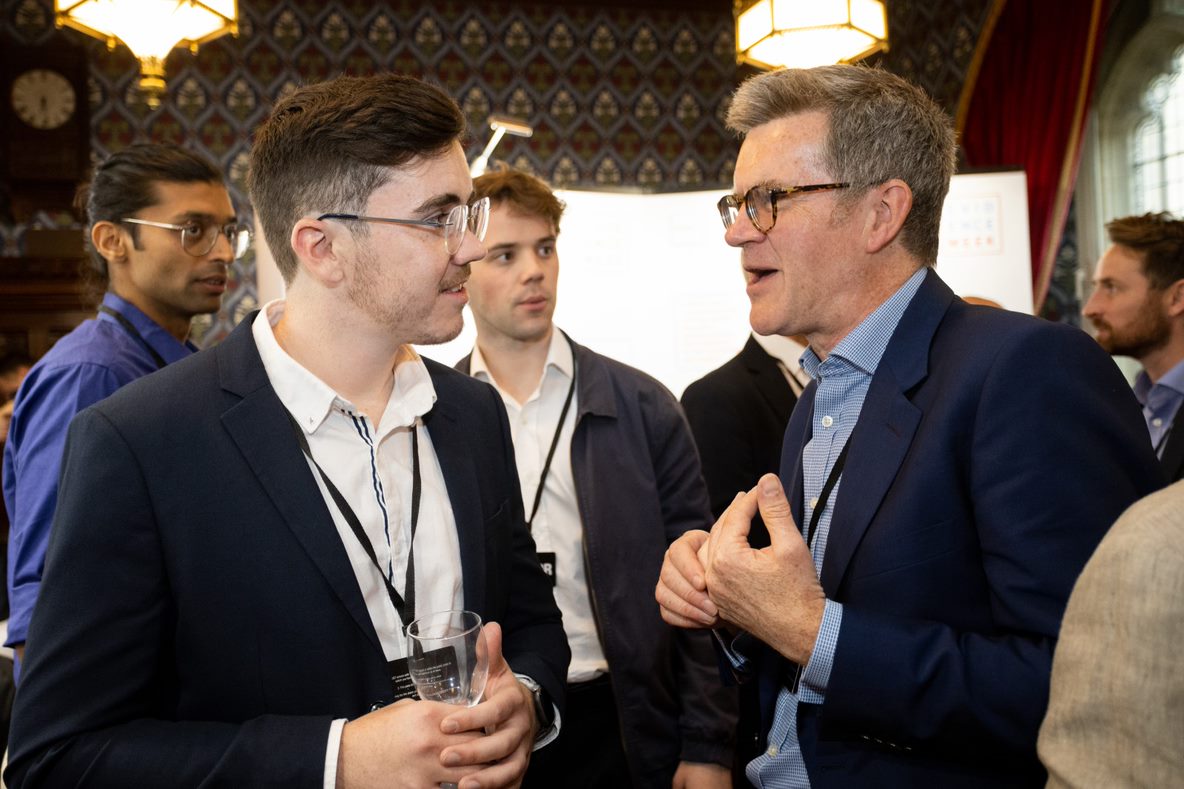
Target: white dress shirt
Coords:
[(371, 465), (557, 527)]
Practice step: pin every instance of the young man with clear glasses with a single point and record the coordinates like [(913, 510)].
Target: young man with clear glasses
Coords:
[(163, 231), (242, 540)]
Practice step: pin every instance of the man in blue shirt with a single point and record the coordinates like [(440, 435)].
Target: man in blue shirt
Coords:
[(163, 230), (1137, 308), (943, 479)]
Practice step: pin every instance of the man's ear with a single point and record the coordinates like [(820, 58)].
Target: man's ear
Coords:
[(892, 201), (1174, 298), (318, 247), (111, 241)]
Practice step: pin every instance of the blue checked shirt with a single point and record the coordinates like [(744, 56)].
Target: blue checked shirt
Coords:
[(843, 381)]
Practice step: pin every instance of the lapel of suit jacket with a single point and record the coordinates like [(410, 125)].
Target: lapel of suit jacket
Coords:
[(1173, 450), (769, 379), (259, 425), (456, 454), (886, 426)]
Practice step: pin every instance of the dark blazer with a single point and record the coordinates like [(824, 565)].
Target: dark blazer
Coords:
[(738, 414), (639, 488), (992, 453), (1173, 451), (200, 622)]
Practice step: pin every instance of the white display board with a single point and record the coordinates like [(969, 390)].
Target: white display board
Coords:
[(985, 248), (648, 279)]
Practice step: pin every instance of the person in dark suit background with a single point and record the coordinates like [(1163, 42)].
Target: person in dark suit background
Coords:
[(738, 413), (241, 539), (1137, 308), (947, 479)]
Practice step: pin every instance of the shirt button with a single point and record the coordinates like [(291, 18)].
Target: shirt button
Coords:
[(1157, 422), (827, 421), (813, 502), (772, 750)]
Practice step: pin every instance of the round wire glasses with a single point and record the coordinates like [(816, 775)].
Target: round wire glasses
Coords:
[(464, 217), (198, 237)]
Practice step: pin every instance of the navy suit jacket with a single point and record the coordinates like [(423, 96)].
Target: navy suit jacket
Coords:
[(200, 622), (992, 453)]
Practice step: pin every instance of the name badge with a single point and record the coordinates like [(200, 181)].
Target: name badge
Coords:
[(438, 675), (547, 562), (401, 684)]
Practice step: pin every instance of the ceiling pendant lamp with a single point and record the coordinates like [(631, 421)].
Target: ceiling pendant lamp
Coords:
[(806, 33), (150, 29)]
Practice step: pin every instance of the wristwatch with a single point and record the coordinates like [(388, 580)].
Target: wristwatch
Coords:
[(544, 710)]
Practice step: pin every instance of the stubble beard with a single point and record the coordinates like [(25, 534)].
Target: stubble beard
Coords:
[(1147, 335)]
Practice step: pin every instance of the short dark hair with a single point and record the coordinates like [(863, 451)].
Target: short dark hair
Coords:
[(880, 126), (522, 191), (125, 183), (1159, 238), (327, 147)]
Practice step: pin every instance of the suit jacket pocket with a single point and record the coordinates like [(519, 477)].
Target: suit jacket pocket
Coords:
[(894, 550)]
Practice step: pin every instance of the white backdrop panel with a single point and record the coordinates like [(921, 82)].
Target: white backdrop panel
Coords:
[(648, 279)]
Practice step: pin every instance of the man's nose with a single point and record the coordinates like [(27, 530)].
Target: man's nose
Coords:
[(471, 248), (1091, 308), (742, 231)]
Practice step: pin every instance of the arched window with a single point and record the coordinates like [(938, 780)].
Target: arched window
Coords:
[(1133, 159), (1157, 144)]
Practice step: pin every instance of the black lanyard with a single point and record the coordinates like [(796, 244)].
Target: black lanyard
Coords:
[(405, 609), (134, 332), (538, 493), (832, 479)]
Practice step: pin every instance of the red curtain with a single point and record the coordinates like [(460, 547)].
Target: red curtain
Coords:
[(1027, 108)]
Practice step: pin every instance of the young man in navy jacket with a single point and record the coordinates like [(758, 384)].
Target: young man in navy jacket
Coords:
[(610, 477)]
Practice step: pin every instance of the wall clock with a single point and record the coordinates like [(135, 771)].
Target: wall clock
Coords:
[(45, 126), (43, 98)]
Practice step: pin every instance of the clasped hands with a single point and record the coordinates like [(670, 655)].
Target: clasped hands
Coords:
[(715, 578), (425, 743)]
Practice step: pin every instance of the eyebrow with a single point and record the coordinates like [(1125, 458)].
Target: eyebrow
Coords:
[(440, 201), (767, 184), (201, 216), (513, 244)]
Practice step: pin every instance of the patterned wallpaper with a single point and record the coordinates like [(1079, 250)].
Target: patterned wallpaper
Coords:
[(620, 95)]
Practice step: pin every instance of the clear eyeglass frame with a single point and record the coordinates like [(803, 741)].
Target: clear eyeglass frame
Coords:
[(462, 218), (198, 237)]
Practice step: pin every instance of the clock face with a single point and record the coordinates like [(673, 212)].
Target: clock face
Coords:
[(43, 99)]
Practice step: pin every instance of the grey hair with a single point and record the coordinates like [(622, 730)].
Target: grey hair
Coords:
[(880, 127)]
